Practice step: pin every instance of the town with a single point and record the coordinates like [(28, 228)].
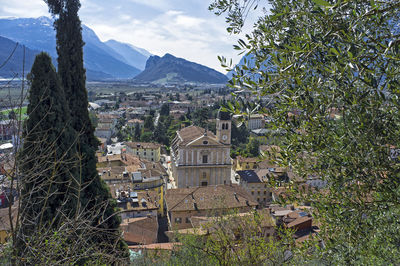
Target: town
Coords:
[(172, 159), (169, 156)]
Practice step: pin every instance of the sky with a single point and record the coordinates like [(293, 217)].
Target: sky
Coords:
[(183, 28)]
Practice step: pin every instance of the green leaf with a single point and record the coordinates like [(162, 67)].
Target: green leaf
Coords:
[(322, 3)]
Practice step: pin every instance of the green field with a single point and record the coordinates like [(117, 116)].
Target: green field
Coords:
[(16, 110)]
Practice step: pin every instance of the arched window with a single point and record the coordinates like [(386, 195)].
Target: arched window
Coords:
[(226, 126), (223, 126)]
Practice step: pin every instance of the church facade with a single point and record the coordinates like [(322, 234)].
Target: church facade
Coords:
[(200, 158)]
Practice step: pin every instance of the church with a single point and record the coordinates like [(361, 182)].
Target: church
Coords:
[(200, 158)]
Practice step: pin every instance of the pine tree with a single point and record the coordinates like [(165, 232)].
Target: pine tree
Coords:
[(47, 157), (72, 74)]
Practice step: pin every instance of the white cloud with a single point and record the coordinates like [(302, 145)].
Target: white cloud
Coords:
[(21, 8)]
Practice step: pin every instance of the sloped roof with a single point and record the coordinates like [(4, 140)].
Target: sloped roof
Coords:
[(143, 145), (249, 176), (190, 133), (141, 230), (208, 198)]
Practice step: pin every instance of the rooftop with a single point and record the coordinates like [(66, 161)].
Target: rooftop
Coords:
[(191, 133), (249, 176), (208, 198), (143, 145)]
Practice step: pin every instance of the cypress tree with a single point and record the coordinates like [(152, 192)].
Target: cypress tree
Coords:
[(47, 157), (71, 71)]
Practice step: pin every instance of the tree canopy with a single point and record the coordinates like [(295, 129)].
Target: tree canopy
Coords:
[(331, 70)]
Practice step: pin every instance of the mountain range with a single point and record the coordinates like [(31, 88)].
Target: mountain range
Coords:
[(103, 60)]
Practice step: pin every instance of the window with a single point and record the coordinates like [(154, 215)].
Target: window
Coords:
[(152, 153), (187, 220), (223, 126), (226, 126), (204, 183), (137, 153), (204, 174), (205, 158), (144, 153), (258, 192), (252, 193), (178, 220), (265, 192)]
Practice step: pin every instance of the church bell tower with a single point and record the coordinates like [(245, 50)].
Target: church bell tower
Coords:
[(224, 125)]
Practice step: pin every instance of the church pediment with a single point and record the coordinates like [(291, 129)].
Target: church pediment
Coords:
[(204, 141)]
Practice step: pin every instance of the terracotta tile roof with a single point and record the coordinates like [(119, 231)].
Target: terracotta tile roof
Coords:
[(264, 214), (107, 116), (154, 168), (161, 246), (191, 133), (141, 230), (133, 121), (124, 158), (143, 145), (208, 198), (270, 148)]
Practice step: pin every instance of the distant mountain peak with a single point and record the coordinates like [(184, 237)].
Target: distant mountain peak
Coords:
[(171, 69)]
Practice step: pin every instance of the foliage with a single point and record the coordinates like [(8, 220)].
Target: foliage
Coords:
[(233, 239), (137, 132), (332, 68), (164, 109), (72, 75), (49, 149), (253, 147), (149, 123)]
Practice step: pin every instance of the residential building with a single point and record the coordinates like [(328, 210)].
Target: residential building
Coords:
[(144, 150), (255, 121), (130, 173), (135, 204), (132, 123), (184, 203), (103, 132), (242, 163), (256, 186), (200, 158)]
